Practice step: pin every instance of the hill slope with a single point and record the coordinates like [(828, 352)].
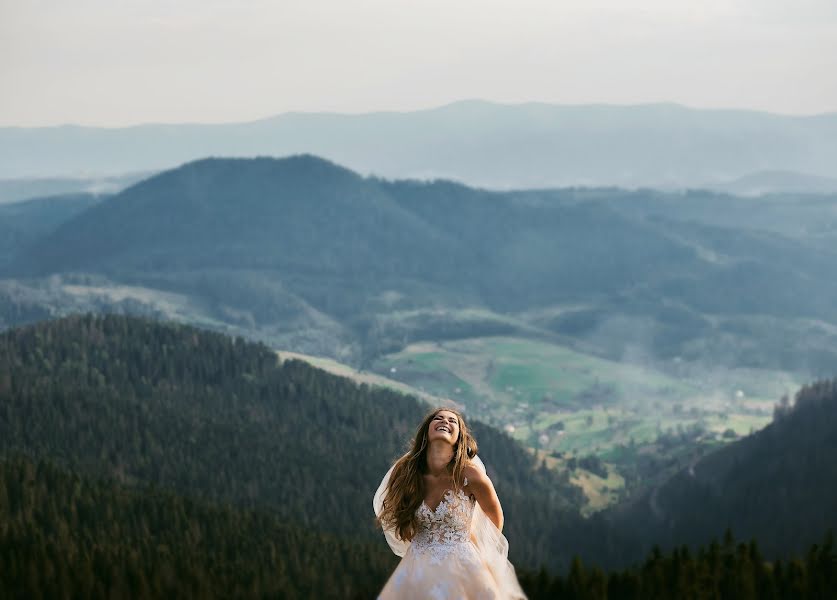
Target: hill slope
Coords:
[(23, 222), (70, 536), (261, 213), (775, 485), (217, 418)]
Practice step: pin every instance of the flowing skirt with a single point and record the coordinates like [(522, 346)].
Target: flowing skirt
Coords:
[(442, 572)]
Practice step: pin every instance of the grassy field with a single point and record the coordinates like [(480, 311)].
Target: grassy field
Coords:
[(561, 403), (600, 492), (554, 398)]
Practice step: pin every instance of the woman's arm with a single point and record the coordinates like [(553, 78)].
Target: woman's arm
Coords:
[(480, 485)]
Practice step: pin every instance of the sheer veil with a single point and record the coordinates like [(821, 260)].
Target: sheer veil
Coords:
[(398, 545), (490, 542)]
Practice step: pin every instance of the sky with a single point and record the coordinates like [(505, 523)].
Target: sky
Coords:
[(116, 63)]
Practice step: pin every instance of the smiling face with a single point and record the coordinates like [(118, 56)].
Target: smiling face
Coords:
[(443, 426)]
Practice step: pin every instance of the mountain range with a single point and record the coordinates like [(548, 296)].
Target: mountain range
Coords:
[(532, 145), (312, 257)]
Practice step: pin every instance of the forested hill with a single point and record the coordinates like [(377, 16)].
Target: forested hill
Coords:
[(217, 418), (311, 257), (66, 536), (301, 215), (776, 485), (184, 435)]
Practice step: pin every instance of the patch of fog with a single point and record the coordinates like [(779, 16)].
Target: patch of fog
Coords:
[(238, 316), (824, 325), (421, 348), (708, 255), (103, 187), (705, 388), (477, 313), (704, 253), (629, 337), (390, 298), (168, 302), (546, 313)]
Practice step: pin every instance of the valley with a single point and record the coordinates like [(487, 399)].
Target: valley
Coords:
[(606, 424), (617, 335)]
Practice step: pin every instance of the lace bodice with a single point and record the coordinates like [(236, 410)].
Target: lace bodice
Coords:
[(456, 552), (446, 529)]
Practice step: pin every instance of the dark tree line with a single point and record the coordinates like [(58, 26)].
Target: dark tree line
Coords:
[(725, 571), (217, 418), (775, 485), (64, 536), (213, 419)]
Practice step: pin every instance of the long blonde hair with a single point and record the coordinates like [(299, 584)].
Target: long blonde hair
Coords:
[(405, 491)]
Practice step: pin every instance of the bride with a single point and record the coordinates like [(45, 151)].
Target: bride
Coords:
[(440, 512)]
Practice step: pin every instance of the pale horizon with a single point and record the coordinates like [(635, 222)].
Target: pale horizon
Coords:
[(105, 64)]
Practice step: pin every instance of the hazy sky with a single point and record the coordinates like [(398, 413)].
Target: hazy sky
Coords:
[(121, 62)]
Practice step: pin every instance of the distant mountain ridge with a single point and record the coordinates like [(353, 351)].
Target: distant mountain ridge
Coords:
[(480, 143)]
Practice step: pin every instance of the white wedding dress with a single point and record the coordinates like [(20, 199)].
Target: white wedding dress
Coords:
[(457, 554)]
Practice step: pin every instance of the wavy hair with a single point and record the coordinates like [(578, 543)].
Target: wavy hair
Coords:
[(405, 491)]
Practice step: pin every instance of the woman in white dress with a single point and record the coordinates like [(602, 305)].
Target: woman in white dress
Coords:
[(440, 512)]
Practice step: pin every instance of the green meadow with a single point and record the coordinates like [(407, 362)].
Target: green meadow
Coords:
[(562, 403), (558, 399)]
